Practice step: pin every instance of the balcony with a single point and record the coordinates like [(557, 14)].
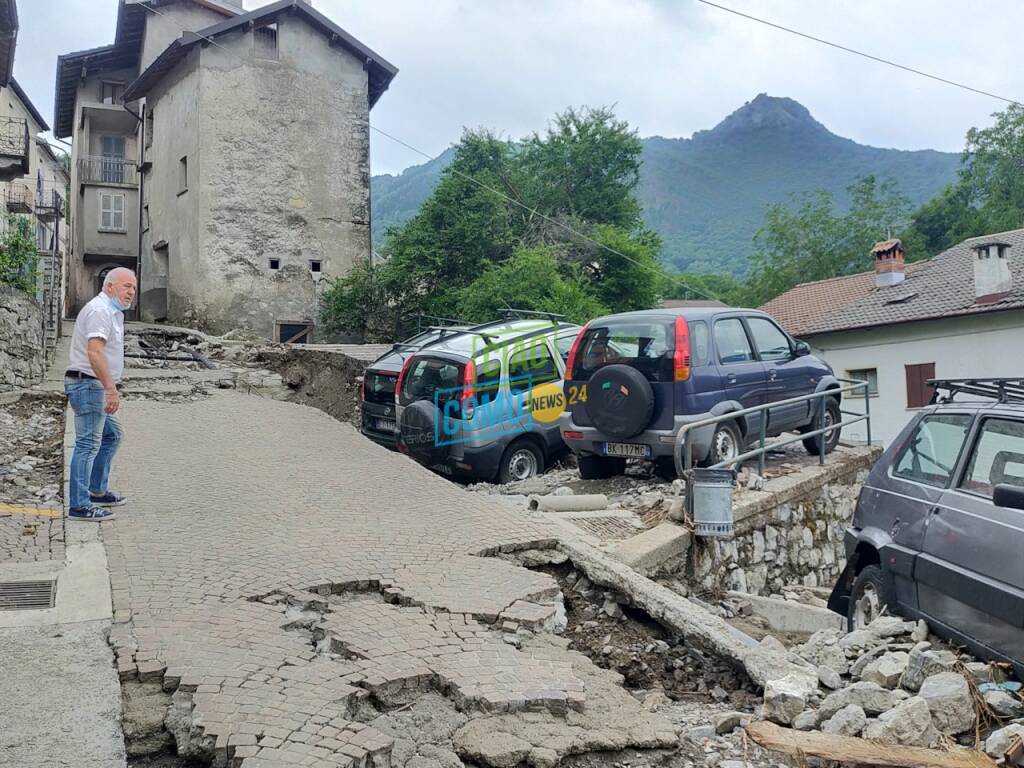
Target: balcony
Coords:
[(14, 148), (49, 203), (20, 198), (107, 171)]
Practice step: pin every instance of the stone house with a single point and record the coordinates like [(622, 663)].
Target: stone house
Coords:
[(959, 314), (224, 153), (33, 180)]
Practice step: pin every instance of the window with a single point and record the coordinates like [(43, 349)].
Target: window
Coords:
[(698, 344), (771, 343), (275, 264), (643, 346), (870, 375), (998, 457), (530, 367), (111, 212), (931, 452), (315, 265), (488, 379), (732, 342), (112, 161), (111, 93), (565, 346), (264, 42), (919, 394), (183, 175)]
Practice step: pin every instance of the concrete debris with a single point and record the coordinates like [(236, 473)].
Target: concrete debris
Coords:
[(31, 455), (890, 626), (949, 699), (785, 698), (727, 722), (871, 697), (822, 649), (806, 720), (1004, 704), (829, 678), (1000, 741), (886, 670), (848, 721), (908, 723)]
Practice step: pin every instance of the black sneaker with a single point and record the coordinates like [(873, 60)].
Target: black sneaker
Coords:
[(108, 499), (92, 514)]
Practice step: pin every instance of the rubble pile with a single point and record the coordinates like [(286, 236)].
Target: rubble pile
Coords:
[(890, 683), (31, 443)]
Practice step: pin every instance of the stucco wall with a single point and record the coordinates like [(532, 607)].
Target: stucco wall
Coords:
[(983, 346), (22, 359), (282, 171), (164, 28)]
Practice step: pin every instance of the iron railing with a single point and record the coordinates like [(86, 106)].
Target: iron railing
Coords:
[(106, 170), (14, 138), (49, 202), (683, 452), (19, 198)]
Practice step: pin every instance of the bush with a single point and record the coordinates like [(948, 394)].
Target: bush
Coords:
[(19, 259)]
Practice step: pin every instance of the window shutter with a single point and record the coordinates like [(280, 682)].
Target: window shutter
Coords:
[(919, 394)]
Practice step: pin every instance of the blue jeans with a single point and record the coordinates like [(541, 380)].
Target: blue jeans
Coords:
[(97, 437)]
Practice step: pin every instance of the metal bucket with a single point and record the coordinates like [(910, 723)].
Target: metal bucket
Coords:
[(710, 496)]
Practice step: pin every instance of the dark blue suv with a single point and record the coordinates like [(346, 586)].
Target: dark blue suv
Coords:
[(634, 379)]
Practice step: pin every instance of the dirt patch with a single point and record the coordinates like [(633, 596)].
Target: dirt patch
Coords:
[(31, 450), (328, 381)]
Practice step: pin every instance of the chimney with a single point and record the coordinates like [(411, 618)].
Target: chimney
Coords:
[(992, 278), (889, 268)]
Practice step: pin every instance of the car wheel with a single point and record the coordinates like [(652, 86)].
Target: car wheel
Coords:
[(599, 467), (868, 598), (725, 444), (832, 416), (521, 461)]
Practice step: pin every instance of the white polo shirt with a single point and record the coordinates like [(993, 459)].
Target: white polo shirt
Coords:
[(99, 320)]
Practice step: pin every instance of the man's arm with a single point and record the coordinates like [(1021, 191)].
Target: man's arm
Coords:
[(98, 361)]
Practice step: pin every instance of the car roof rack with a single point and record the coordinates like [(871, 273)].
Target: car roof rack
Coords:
[(434, 322), (509, 312), (1000, 390)]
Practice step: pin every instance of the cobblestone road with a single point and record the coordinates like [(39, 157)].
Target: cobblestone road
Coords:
[(245, 514)]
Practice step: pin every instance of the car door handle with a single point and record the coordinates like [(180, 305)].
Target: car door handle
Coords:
[(771, 375), (731, 378)]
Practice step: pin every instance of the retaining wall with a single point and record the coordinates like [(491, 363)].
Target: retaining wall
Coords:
[(22, 347)]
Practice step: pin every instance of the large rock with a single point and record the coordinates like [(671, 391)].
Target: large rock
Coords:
[(785, 698), (858, 640), (848, 721), (999, 741), (871, 697), (923, 663), (822, 650), (806, 720), (890, 626), (1004, 705), (908, 723), (950, 702), (765, 664), (829, 678), (887, 670)]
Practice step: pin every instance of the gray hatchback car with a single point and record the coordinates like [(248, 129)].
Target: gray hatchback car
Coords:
[(938, 532)]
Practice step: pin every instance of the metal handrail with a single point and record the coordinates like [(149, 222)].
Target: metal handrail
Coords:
[(14, 137), (683, 450), (106, 170)]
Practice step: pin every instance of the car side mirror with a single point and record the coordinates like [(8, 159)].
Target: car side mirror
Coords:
[(1009, 496), (801, 348)]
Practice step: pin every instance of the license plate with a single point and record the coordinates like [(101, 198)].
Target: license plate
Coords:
[(627, 449), (385, 425)]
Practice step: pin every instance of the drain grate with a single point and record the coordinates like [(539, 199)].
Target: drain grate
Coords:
[(27, 595)]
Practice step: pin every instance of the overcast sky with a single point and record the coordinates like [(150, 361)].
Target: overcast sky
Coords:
[(670, 67)]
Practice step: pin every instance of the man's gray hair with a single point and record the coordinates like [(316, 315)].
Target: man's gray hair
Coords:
[(115, 273)]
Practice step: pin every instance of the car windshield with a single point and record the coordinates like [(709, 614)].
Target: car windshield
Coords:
[(646, 347), (431, 378), (379, 387)]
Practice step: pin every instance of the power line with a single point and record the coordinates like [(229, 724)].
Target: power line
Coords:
[(482, 185), (855, 52)]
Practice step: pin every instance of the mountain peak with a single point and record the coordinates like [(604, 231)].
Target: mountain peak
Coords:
[(770, 113)]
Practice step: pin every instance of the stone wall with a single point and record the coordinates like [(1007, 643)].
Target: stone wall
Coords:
[(792, 534), (22, 350)]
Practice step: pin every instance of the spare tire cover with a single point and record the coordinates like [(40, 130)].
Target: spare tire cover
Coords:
[(419, 434), (620, 401)]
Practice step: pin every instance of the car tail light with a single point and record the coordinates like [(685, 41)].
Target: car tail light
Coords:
[(401, 378), (681, 356), (573, 435), (570, 363), (467, 393)]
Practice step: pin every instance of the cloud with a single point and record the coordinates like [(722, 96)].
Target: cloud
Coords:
[(670, 67)]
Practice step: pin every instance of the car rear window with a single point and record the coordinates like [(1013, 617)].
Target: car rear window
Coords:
[(931, 453), (998, 457), (380, 387), (430, 378), (645, 346)]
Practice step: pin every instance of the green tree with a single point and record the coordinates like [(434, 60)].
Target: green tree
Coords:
[(814, 241), (19, 258), (530, 278), (700, 285)]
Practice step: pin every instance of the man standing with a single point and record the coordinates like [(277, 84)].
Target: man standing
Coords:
[(97, 361)]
